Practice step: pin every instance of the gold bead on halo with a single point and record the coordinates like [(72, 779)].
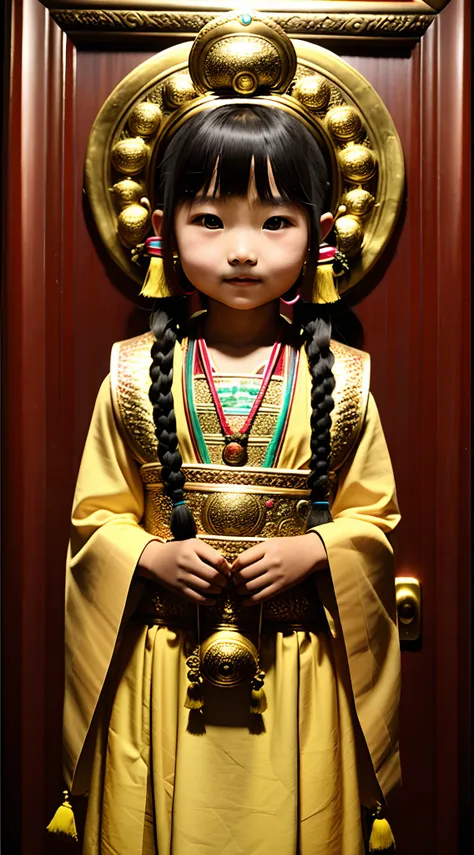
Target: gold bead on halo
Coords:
[(344, 123), (129, 156), (312, 91), (357, 163), (350, 235), (133, 224), (145, 119), (358, 201), (178, 89), (128, 191)]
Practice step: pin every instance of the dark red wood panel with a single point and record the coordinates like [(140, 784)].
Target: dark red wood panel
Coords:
[(24, 530)]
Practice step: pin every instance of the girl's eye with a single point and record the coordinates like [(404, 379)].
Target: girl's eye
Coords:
[(209, 221), (274, 224)]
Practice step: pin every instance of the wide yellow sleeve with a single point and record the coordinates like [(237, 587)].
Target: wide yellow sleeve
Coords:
[(107, 540), (361, 597)]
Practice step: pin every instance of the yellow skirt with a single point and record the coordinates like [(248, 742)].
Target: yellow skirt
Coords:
[(170, 781)]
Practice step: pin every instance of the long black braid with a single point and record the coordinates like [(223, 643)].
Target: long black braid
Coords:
[(316, 325), (166, 328)]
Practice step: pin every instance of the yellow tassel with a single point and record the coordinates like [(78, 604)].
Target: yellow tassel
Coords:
[(381, 835), (63, 821), (258, 701), (155, 284), (324, 288), (194, 699)]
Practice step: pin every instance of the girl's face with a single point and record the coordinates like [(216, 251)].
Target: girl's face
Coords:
[(241, 251)]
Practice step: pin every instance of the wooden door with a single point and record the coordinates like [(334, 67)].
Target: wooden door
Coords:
[(64, 305)]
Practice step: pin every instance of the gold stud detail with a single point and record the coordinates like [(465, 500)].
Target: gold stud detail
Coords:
[(244, 83)]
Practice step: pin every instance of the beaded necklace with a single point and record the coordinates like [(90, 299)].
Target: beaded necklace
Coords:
[(235, 451)]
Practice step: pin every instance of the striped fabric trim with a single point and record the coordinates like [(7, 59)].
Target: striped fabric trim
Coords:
[(197, 438), (291, 367)]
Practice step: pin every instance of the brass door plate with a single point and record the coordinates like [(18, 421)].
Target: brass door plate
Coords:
[(408, 597)]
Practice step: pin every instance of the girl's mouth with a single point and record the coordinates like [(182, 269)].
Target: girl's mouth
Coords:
[(242, 280)]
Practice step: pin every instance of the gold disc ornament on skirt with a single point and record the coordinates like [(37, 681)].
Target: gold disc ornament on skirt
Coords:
[(246, 57)]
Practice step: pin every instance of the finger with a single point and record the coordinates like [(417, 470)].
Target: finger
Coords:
[(202, 585), (250, 572), (197, 598), (254, 585), (250, 556), (262, 596), (212, 556), (210, 574)]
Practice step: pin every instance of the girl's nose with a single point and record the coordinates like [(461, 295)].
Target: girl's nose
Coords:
[(242, 255)]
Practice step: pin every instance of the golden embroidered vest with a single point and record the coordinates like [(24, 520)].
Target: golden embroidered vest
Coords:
[(234, 507)]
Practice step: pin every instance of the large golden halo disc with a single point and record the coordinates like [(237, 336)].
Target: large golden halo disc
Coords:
[(340, 107)]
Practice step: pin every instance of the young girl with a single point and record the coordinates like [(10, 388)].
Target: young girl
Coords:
[(251, 672)]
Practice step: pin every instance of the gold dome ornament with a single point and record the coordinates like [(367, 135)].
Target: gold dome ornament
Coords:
[(240, 54), (246, 58), (228, 658)]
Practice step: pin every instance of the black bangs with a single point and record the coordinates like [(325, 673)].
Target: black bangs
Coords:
[(215, 150), (213, 154)]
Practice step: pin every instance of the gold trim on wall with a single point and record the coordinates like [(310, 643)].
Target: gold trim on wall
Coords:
[(405, 20)]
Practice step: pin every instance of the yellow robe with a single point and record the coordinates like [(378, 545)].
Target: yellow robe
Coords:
[(157, 786)]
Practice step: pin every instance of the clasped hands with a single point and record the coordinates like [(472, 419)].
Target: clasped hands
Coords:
[(198, 572)]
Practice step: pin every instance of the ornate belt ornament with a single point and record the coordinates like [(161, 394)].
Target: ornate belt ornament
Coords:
[(234, 509)]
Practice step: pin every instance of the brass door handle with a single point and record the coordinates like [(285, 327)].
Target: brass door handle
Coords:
[(408, 597)]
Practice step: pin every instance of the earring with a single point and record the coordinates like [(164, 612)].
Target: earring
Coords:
[(289, 299), (155, 284), (332, 263)]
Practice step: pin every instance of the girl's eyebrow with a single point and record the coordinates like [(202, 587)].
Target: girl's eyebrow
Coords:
[(275, 201)]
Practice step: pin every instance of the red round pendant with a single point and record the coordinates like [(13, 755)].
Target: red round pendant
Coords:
[(234, 454)]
